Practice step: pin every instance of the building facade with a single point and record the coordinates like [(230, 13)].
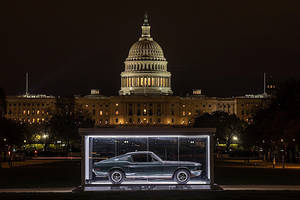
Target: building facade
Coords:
[(146, 67), (30, 108), (145, 97)]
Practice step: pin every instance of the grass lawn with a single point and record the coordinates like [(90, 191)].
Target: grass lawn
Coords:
[(67, 174), (157, 195), (256, 176), (56, 174)]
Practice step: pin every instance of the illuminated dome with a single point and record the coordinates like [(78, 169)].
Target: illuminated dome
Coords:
[(146, 67), (146, 49)]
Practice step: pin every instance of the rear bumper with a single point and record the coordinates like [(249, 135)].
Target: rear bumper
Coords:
[(196, 173)]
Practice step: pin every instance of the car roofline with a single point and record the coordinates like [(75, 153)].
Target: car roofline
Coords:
[(138, 152)]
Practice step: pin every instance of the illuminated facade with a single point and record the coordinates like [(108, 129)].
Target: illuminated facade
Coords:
[(31, 109), (136, 110), (164, 110), (146, 68), (145, 96)]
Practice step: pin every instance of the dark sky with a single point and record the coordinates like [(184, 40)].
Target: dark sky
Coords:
[(222, 47)]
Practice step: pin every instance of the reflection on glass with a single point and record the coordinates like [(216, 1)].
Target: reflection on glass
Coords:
[(148, 159)]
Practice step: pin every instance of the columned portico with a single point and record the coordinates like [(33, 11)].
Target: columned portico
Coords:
[(146, 68)]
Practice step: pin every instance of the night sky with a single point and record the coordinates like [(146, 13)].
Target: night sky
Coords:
[(221, 47)]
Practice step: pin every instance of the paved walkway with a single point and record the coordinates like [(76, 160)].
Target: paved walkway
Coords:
[(255, 164), (27, 162), (262, 187), (37, 190), (224, 187)]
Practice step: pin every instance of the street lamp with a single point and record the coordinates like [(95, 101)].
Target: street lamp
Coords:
[(235, 138), (45, 136)]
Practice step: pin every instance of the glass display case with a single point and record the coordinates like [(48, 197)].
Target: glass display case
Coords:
[(128, 158)]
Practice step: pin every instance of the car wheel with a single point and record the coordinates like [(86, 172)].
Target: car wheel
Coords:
[(182, 176), (116, 176)]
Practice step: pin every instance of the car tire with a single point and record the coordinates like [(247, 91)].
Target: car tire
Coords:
[(182, 176), (116, 176)]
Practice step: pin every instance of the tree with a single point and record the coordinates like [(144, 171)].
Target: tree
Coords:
[(277, 127), (11, 132), (66, 120), (228, 126), (2, 103)]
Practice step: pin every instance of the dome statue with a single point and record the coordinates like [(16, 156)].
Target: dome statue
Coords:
[(146, 67)]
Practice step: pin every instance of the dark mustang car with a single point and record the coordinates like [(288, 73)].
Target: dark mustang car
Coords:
[(145, 164)]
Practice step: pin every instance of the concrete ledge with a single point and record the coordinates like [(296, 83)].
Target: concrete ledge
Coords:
[(205, 188), (261, 187), (37, 190)]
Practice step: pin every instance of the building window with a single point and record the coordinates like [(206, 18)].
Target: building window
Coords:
[(101, 112), (158, 120), (172, 120), (130, 120), (145, 111), (150, 111), (138, 110), (139, 120), (130, 110), (183, 113), (158, 110), (117, 120), (117, 112)]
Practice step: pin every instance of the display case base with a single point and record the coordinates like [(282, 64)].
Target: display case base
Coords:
[(94, 187)]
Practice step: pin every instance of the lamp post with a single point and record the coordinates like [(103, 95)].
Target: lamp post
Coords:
[(45, 136), (283, 152)]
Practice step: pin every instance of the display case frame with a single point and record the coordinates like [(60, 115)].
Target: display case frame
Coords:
[(91, 133)]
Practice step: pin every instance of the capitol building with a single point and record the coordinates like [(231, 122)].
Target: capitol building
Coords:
[(146, 67), (145, 96)]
